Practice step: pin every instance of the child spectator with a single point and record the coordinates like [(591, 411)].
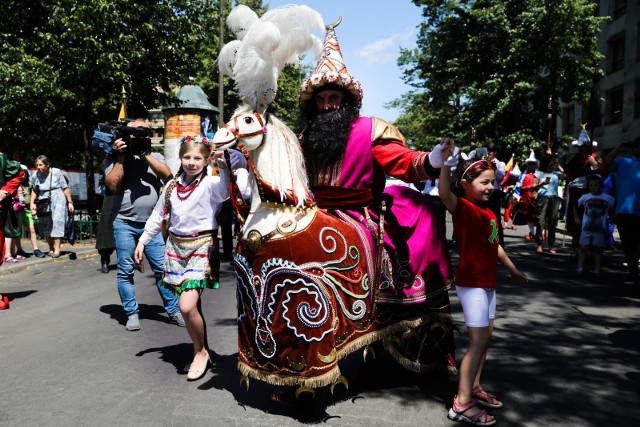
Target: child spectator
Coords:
[(13, 229), (476, 228), (28, 220), (594, 225)]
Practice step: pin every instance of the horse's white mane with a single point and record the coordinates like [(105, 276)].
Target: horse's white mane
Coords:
[(282, 153)]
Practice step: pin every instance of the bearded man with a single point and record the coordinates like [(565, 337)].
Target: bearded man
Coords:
[(348, 158)]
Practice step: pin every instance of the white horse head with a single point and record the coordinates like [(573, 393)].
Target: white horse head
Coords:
[(274, 150)]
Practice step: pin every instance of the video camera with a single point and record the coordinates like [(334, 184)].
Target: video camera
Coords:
[(138, 139)]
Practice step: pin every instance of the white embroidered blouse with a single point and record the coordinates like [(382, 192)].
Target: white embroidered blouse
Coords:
[(196, 213)]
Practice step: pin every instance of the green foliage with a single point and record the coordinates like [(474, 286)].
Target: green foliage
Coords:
[(63, 64), (285, 106), (492, 65)]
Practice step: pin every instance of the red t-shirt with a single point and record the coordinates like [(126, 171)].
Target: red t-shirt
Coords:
[(476, 231)]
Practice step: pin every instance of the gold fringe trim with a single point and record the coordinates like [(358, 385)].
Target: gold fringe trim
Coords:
[(331, 376), (418, 367), (290, 380), (388, 331)]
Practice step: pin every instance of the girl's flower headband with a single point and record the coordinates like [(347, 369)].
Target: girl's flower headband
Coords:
[(198, 139)]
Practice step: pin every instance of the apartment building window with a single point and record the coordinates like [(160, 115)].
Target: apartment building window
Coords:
[(568, 121), (613, 108), (615, 53), (636, 100), (618, 8)]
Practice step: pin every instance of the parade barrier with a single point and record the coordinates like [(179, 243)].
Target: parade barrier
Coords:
[(86, 226)]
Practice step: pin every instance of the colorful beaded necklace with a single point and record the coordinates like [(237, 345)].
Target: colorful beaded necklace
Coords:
[(184, 191)]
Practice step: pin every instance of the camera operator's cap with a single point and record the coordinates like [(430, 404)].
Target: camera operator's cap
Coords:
[(330, 70)]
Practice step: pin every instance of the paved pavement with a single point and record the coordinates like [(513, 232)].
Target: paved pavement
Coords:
[(565, 353)]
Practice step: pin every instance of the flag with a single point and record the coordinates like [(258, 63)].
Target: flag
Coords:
[(508, 167), (123, 108)]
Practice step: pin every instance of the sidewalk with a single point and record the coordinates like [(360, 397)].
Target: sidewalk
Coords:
[(80, 250)]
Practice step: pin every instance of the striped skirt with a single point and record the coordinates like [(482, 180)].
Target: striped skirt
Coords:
[(191, 263)]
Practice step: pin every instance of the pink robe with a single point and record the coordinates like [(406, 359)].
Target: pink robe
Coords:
[(415, 260)]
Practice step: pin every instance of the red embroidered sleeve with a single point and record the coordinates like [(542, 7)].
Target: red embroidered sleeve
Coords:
[(401, 162)]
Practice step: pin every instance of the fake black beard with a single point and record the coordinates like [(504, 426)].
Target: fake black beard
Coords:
[(326, 136)]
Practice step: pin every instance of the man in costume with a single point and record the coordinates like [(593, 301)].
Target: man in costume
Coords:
[(348, 157), (526, 194)]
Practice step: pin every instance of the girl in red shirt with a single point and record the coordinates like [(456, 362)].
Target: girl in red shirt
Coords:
[(476, 231)]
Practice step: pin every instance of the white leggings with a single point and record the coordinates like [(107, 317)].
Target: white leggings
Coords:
[(478, 305)]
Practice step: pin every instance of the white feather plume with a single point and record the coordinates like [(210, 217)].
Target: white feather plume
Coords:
[(240, 19), (227, 57), (265, 46)]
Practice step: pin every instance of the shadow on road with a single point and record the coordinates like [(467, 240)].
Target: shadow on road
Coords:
[(178, 355), (18, 295), (381, 376), (150, 312)]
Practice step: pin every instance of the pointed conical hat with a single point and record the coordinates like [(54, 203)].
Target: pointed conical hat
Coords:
[(330, 70), (532, 158)]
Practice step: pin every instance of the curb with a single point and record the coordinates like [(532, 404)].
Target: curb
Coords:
[(83, 253)]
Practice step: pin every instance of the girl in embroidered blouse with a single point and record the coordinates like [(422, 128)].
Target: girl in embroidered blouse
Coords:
[(476, 230), (192, 260)]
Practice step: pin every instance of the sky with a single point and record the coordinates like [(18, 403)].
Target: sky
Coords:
[(370, 36)]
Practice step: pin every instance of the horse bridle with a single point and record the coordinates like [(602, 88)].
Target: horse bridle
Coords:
[(237, 135)]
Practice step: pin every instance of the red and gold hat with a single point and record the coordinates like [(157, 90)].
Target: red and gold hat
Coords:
[(330, 70)]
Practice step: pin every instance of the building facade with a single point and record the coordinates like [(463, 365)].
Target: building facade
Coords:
[(617, 94)]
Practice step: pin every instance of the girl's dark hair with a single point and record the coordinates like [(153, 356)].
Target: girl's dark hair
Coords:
[(456, 175)]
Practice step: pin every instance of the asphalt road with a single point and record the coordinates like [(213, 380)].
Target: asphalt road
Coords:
[(565, 353)]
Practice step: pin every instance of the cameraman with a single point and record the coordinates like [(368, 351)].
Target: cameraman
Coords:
[(135, 179)]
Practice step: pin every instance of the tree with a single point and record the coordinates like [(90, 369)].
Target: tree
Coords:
[(493, 64), (63, 64)]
